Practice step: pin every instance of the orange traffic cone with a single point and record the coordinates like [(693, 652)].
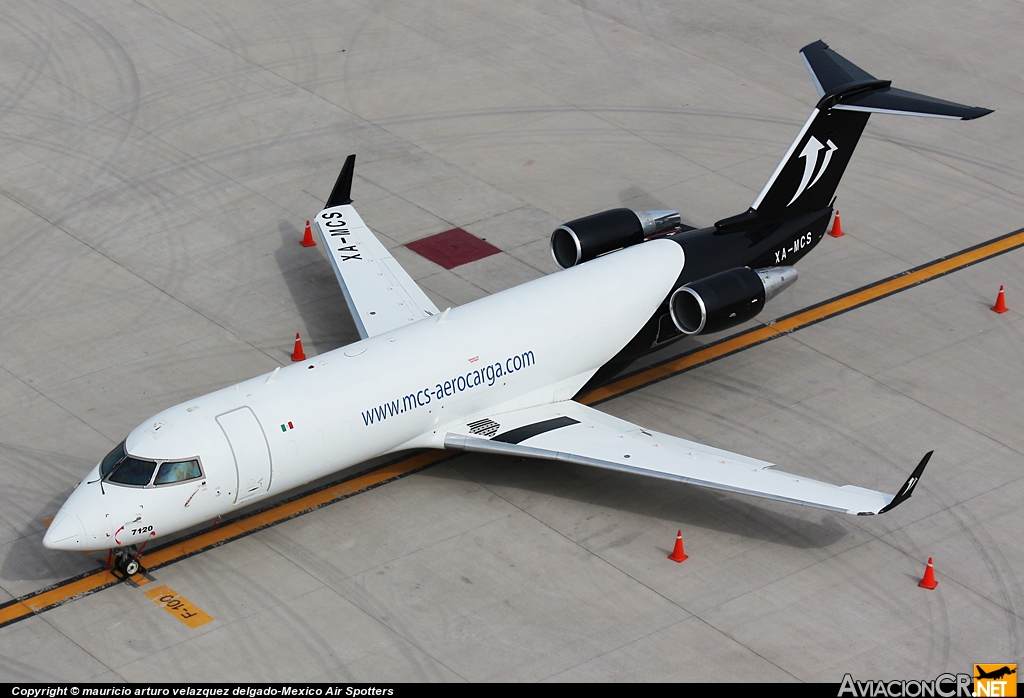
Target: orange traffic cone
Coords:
[(678, 555), (307, 239), (837, 227), (1000, 306), (928, 581), (297, 354)]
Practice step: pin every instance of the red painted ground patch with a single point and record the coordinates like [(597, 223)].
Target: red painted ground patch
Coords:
[(453, 248)]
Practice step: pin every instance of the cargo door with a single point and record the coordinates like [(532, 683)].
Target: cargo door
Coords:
[(249, 447)]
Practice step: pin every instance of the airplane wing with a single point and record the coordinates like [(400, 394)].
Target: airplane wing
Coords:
[(571, 432), (380, 293)]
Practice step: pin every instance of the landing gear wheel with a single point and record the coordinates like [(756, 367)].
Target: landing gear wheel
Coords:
[(127, 560)]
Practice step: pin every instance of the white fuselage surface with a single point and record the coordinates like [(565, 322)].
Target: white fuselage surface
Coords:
[(534, 344)]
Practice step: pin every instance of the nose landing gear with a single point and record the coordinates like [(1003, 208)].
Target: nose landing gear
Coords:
[(126, 560)]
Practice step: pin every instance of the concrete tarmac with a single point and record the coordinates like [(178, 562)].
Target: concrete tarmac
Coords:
[(158, 160)]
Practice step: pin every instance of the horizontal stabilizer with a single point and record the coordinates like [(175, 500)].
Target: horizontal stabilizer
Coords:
[(829, 70), (806, 179), (851, 88), (890, 100)]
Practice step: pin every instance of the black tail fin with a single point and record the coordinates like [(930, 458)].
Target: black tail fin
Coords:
[(809, 173)]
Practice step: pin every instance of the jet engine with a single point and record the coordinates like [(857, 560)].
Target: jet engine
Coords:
[(722, 300), (583, 239)]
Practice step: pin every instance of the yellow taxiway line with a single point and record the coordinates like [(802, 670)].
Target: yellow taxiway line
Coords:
[(69, 590)]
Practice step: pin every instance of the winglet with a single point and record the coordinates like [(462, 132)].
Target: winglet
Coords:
[(908, 486), (342, 192)]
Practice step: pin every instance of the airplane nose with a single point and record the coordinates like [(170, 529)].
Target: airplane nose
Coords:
[(66, 533)]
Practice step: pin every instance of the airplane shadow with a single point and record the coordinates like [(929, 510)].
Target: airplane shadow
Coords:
[(315, 291), (25, 558), (530, 484)]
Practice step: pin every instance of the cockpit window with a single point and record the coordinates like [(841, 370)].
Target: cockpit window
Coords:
[(133, 471), (171, 472), (112, 459)]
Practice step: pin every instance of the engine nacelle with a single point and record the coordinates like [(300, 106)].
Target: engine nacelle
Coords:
[(722, 300), (583, 239)]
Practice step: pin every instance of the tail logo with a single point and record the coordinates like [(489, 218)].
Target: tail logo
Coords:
[(810, 156), (910, 485)]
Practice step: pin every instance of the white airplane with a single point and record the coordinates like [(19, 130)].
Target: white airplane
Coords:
[(498, 375)]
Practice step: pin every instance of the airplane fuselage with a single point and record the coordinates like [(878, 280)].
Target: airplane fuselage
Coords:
[(530, 345)]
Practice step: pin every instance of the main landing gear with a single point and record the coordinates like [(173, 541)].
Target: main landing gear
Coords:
[(126, 560)]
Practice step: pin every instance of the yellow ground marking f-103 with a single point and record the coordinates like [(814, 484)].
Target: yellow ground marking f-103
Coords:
[(178, 606), (91, 582)]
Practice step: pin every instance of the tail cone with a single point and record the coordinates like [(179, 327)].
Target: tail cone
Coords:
[(298, 354), (678, 555), (928, 581), (837, 227), (1000, 306), (308, 241)]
